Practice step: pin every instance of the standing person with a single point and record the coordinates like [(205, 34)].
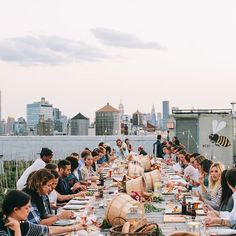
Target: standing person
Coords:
[(129, 146), (157, 147), (45, 157)]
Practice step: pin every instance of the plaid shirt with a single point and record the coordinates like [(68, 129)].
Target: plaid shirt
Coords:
[(34, 215)]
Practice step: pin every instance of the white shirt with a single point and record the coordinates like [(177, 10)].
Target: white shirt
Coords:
[(53, 196), (37, 165), (191, 172), (121, 153)]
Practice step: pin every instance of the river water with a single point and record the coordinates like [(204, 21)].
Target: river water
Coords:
[(29, 147)]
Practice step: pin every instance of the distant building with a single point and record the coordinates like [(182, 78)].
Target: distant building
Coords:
[(166, 114), (79, 125), (3, 127), (126, 125), (10, 126), (122, 110), (36, 110), (45, 127), (153, 119), (159, 120), (146, 118), (20, 127), (108, 121), (57, 120), (138, 118), (138, 122), (150, 128), (64, 122)]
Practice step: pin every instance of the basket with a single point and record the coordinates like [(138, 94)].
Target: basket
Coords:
[(116, 231)]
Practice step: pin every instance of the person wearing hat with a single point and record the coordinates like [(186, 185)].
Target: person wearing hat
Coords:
[(45, 158)]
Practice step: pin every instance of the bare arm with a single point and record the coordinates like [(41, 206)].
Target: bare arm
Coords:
[(67, 229)]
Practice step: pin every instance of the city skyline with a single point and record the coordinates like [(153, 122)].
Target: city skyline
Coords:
[(81, 55), (43, 99)]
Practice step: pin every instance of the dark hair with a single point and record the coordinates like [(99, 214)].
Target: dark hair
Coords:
[(158, 136), (231, 177), (180, 149), (14, 199), (39, 179), (199, 159), (226, 191), (101, 144), (108, 149), (170, 143), (126, 140), (54, 173), (85, 153), (73, 162), (187, 157), (206, 165), (95, 152), (194, 154), (51, 166), (87, 149), (62, 164), (74, 154)]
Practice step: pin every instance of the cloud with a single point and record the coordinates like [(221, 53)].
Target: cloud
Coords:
[(118, 39), (52, 50)]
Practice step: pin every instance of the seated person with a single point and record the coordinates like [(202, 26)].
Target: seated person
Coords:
[(142, 151), (72, 180), (38, 188), (212, 194), (64, 169), (87, 171), (13, 221), (227, 218)]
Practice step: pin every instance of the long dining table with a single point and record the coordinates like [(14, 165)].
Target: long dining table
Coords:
[(167, 220)]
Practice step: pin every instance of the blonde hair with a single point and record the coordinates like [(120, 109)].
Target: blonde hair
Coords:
[(214, 186)]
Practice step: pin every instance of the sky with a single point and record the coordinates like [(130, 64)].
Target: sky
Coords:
[(80, 55)]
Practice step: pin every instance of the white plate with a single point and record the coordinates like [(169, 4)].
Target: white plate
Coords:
[(92, 189), (82, 198), (223, 231), (77, 202), (73, 207), (63, 222)]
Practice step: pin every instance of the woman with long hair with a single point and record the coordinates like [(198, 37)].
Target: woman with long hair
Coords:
[(212, 194), (39, 186), (13, 221), (226, 218)]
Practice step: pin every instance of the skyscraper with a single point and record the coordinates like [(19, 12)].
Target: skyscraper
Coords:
[(153, 116), (57, 120), (38, 110), (166, 114)]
